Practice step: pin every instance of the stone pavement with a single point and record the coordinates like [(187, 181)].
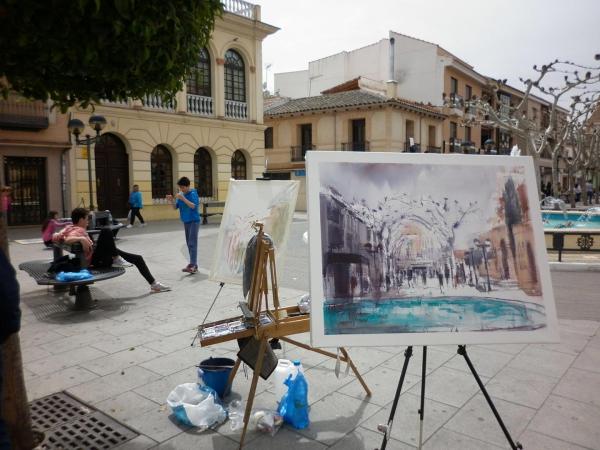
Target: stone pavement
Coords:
[(126, 355)]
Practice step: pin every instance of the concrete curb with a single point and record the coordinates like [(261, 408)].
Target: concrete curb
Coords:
[(574, 267)]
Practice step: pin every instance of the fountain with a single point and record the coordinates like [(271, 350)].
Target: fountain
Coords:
[(588, 214), (554, 203)]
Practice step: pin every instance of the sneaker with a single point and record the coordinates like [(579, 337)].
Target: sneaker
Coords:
[(120, 262), (129, 225), (157, 286), (190, 269), (142, 225)]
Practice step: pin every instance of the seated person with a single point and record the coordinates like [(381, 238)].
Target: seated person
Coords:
[(106, 252)]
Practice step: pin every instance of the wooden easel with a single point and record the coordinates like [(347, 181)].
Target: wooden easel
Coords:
[(282, 322)]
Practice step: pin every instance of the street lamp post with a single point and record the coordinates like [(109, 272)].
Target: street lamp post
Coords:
[(76, 127), (484, 246)]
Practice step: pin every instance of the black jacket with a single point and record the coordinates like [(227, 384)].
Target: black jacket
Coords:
[(10, 314)]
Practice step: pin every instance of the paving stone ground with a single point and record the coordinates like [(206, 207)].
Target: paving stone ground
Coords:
[(126, 355)]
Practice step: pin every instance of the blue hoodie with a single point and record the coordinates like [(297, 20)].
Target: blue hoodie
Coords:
[(135, 200), (186, 213)]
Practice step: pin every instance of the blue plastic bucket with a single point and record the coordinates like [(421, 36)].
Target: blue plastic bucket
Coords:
[(214, 372)]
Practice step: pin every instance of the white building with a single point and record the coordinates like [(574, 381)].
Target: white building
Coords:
[(418, 66)]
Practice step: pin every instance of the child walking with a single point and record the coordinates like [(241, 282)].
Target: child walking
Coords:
[(50, 226), (187, 201), (135, 203)]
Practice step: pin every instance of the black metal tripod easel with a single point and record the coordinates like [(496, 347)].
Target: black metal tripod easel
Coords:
[(386, 429)]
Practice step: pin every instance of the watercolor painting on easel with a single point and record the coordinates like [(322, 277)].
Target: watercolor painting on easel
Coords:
[(426, 249)]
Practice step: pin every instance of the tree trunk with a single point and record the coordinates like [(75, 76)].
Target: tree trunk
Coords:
[(15, 409), (571, 189), (555, 190)]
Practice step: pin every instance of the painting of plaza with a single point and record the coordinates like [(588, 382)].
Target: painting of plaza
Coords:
[(439, 249)]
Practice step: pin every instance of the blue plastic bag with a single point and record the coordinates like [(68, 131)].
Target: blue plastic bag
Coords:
[(294, 404), (83, 274)]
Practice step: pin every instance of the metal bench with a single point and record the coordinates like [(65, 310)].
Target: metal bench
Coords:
[(38, 270), (210, 204)]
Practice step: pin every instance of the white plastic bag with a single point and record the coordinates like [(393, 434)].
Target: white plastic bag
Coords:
[(196, 405)]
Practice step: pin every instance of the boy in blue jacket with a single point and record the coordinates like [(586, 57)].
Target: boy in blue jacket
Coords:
[(188, 202), (136, 203)]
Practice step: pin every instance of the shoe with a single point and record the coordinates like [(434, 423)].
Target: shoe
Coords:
[(143, 225), (157, 286), (120, 262), (129, 225), (190, 269)]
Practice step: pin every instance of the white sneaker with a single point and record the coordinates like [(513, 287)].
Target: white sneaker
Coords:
[(142, 225), (120, 262), (157, 286), (129, 226)]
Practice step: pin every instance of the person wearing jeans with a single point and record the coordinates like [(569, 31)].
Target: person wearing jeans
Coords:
[(188, 202), (105, 253)]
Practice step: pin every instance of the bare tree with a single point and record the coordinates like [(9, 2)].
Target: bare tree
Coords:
[(557, 81)]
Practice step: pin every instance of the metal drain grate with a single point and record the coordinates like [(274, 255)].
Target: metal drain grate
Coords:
[(56, 409), (70, 424)]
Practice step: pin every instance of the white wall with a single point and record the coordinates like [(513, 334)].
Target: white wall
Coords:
[(417, 70), (292, 84)]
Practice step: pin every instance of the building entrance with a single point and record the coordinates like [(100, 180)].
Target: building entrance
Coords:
[(27, 177), (112, 175)]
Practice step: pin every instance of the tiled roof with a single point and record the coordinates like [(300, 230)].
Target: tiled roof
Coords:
[(347, 99)]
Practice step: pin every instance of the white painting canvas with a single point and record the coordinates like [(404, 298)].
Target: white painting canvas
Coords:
[(424, 249), (270, 201)]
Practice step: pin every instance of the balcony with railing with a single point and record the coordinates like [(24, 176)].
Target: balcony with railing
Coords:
[(454, 104), (236, 110), (356, 146), (19, 113), (240, 8), (299, 152), (155, 101), (199, 105), (118, 102)]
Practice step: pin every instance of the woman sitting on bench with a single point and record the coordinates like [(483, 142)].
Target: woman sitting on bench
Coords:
[(106, 253)]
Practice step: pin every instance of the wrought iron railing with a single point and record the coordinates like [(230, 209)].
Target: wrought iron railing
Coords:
[(454, 101), (299, 152), (199, 105), (236, 110), (239, 7), (17, 112), (155, 101), (356, 146)]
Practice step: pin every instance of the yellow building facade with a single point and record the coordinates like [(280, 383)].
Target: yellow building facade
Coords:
[(211, 132), (350, 117)]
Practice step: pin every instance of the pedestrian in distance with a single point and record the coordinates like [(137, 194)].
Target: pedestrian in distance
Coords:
[(440, 280), (188, 203), (105, 253), (136, 202), (589, 190), (50, 226)]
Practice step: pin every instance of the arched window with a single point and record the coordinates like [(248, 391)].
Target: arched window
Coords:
[(235, 77), (238, 166), (161, 167), (198, 82), (203, 173)]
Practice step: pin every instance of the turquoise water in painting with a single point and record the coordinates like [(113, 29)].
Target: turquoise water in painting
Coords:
[(440, 314)]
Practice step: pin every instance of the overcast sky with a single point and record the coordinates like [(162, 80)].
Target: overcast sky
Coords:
[(502, 39)]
